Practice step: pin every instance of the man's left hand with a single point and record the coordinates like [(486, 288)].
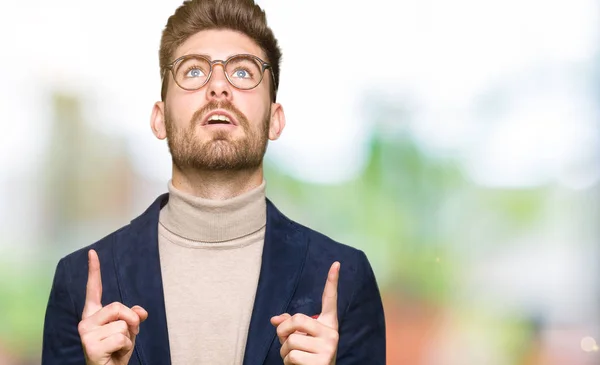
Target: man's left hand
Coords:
[(310, 341)]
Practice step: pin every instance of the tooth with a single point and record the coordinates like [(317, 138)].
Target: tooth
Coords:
[(219, 117)]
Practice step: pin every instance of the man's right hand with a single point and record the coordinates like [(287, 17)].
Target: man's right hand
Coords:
[(107, 333)]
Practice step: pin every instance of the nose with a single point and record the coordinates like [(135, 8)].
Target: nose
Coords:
[(218, 86)]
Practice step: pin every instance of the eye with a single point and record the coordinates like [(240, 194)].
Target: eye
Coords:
[(194, 72), (242, 74)]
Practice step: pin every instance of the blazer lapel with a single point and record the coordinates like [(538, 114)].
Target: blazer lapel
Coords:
[(283, 257), (140, 283)]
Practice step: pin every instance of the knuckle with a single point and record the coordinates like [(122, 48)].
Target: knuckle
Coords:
[(297, 318), (121, 340), (85, 341), (82, 327), (282, 351), (332, 349), (294, 356), (293, 340), (335, 337), (122, 327), (128, 345), (114, 307), (280, 331), (135, 319), (91, 349)]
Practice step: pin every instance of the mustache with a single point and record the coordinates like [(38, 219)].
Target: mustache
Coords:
[(223, 105)]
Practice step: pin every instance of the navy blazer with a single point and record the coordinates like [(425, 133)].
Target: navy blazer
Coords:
[(295, 263)]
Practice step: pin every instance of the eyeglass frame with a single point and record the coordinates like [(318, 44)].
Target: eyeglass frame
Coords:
[(264, 66)]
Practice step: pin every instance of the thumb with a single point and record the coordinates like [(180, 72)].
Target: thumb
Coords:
[(329, 300), (277, 320), (141, 312)]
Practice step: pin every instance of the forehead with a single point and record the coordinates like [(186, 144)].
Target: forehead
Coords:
[(219, 44)]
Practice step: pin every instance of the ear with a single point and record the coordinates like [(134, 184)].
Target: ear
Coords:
[(277, 121), (157, 120)]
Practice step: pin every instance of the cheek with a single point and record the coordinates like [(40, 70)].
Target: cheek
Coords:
[(255, 109), (181, 110), (259, 115)]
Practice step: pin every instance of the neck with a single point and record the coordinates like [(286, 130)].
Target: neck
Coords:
[(216, 185)]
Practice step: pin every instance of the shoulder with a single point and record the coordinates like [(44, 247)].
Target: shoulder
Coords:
[(322, 251), (122, 236), (318, 243), (102, 246), (323, 245)]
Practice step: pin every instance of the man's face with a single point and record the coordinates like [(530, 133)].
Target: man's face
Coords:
[(198, 138)]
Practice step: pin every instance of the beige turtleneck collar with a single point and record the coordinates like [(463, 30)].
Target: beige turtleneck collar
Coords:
[(214, 221)]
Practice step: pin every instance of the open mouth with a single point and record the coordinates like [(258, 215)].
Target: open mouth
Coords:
[(218, 119)]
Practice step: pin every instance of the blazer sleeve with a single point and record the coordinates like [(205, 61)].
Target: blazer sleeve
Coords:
[(61, 342), (362, 329)]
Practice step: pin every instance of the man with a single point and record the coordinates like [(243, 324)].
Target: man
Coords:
[(212, 273)]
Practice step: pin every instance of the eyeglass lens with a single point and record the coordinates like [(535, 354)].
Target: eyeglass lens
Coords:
[(243, 72)]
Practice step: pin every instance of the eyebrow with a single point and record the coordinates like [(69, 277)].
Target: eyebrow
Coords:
[(210, 58), (195, 54)]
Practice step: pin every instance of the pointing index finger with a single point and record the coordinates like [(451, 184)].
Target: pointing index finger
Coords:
[(93, 293), (330, 293)]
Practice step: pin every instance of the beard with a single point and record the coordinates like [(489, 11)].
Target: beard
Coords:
[(219, 153)]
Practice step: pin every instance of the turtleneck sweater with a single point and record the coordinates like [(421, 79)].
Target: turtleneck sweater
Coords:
[(210, 258)]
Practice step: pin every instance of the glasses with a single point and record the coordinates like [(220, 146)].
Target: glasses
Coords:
[(243, 71)]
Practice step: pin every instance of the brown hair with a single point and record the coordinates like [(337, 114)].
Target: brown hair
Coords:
[(194, 16)]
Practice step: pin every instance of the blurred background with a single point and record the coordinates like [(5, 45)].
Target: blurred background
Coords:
[(455, 142)]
